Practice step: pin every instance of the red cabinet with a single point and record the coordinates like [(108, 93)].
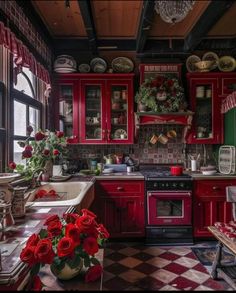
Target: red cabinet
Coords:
[(206, 91), (120, 207), (207, 124), (209, 205), (102, 107)]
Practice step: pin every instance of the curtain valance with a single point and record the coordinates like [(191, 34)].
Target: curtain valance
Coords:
[(22, 55)]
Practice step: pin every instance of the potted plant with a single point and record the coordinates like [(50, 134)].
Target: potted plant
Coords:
[(145, 98)]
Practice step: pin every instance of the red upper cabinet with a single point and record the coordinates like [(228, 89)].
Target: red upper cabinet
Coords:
[(207, 125), (106, 109), (100, 106)]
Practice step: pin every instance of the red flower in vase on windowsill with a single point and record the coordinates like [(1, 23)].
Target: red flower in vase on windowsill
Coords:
[(67, 244), (38, 151)]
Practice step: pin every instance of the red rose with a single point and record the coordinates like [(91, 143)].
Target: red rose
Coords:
[(28, 147), (29, 129), (26, 154), (44, 251), (85, 222), (12, 165), (46, 152), (56, 152), (28, 255), (55, 228), (170, 83), (89, 213), (39, 136), (93, 273), (73, 232), (65, 247), (33, 240), (70, 217), (103, 231), (59, 134), (53, 218), (90, 245), (37, 284)]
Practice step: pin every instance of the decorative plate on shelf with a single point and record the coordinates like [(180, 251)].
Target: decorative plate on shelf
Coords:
[(97, 133), (84, 68), (190, 63), (64, 70), (119, 132), (211, 56), (227, 64), (122, 64), (98, 65)]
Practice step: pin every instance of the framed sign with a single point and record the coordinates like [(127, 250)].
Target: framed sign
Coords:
[(148, 71)]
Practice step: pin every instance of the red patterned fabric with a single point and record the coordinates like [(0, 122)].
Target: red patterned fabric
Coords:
[(228, 103), (23, 57)]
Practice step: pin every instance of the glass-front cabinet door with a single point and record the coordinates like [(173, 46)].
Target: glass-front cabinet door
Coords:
[(207, 121), (93, 119), (67, 91), (119, 112)]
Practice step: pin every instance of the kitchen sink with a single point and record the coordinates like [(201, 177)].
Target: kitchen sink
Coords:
[(62, 194)]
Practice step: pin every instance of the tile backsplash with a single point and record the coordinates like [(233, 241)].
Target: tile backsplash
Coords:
[(143, 152)]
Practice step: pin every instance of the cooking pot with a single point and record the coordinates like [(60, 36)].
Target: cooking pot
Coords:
[(176, 170)]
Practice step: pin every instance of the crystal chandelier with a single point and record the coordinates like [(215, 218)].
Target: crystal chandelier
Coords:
[(173, 11)]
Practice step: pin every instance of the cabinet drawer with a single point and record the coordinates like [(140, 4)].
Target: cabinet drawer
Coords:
[(212, 188), (119, 187)]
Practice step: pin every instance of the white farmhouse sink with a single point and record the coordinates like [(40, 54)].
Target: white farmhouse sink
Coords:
[(67, 194)]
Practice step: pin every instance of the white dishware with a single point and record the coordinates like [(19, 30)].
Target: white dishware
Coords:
[(209, 172)]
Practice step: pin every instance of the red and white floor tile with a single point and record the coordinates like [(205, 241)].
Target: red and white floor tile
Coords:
[(132, 266)]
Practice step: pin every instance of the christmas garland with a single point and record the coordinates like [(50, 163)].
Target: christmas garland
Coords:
[(161, 94)]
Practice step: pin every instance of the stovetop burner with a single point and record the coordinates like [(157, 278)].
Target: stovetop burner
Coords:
[(152, 172)]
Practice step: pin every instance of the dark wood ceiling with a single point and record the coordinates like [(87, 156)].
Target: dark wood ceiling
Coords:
[(134, 25)]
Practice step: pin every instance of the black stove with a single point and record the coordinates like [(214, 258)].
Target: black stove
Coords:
[(160, 178)]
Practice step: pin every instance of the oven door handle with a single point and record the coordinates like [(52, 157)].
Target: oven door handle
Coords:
[(163, 194)]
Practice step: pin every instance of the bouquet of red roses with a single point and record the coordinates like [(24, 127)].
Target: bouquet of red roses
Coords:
[(64, 242)]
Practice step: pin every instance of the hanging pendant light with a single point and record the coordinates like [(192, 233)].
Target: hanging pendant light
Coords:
[(173, 11)]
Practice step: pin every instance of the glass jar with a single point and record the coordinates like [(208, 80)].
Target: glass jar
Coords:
[(93, 165)]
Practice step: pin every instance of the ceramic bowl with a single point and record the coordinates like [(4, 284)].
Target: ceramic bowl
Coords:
[(204, 65)]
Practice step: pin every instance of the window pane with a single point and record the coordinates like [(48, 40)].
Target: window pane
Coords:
[(23, 84), (17, 153), (19, 118), (34, 119)]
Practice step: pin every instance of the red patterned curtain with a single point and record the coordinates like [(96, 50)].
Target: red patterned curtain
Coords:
[(228, 103), (22, 56)]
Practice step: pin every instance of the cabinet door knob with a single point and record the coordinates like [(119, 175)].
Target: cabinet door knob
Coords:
[(216, 188), (119, 188)]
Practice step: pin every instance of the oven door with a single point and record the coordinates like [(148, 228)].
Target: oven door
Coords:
[(169, 208)]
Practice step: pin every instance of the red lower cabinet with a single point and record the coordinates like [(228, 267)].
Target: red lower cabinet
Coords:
[(120, 207), (210, 206)]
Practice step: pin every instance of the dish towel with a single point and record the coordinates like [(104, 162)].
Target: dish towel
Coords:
[(228, 103)]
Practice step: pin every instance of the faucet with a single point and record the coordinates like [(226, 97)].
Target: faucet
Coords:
[(36, 182)]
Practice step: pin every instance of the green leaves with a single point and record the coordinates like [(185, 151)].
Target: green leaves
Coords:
[(74, 262)]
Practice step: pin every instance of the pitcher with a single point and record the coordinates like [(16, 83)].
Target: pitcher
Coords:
[(18, 202)]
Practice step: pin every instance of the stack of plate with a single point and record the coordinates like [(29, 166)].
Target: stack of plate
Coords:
[(64, 64)]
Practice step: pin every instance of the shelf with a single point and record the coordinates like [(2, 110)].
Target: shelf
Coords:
[(93, 110), (181, 118), (119, 110)]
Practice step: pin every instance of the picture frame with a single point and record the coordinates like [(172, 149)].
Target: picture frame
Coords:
[(152, 70)]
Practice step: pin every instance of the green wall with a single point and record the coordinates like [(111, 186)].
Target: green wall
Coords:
[(230, 127)]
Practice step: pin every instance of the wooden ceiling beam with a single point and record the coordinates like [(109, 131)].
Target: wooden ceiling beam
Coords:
[(86, 13), (145, 24), (211, 15)]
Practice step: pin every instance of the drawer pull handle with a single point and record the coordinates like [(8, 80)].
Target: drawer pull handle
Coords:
[(120, 188), (216, 188)]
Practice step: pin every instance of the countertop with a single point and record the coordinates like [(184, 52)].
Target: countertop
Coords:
[(200, 176), (121, 176)]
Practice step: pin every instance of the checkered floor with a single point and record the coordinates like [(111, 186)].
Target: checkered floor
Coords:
[(132, 266)]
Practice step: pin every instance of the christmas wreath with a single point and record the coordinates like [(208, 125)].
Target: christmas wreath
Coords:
[(161, 94)]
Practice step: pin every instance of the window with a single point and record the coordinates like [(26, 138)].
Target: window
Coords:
[(26, 108)]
